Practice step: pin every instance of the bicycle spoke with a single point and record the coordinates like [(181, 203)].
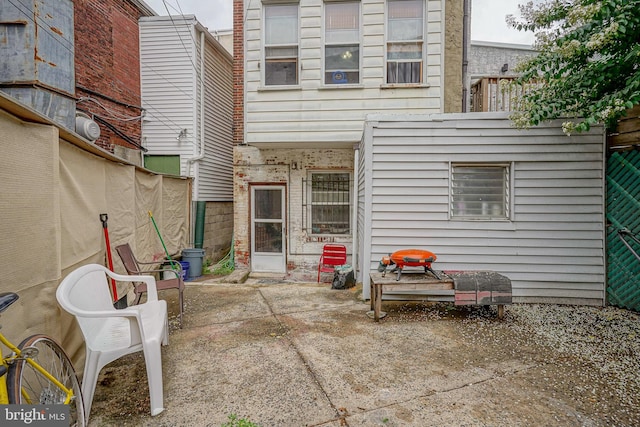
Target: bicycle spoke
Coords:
[(29, 384)]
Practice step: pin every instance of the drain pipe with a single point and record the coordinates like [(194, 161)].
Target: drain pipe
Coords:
[(200, 156), (466, 23), (201, 208), (200, 205)]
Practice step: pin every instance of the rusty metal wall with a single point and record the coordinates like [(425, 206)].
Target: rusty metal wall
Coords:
[(37, 56)]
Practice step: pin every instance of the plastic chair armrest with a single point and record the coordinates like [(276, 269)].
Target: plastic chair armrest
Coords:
[(152, 290)]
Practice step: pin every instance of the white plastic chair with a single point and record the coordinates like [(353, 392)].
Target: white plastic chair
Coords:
[(110, 333)]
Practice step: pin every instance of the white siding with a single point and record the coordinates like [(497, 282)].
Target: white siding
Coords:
[(173, 83), (552, 248), (167, 78), (333, 116)]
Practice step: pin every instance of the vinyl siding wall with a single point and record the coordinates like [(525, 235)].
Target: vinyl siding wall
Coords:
[(552, 248), (333, 115), (172, 78), (216, 169), (168, 86)]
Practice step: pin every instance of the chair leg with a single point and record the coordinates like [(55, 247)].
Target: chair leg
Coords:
[(165, 333), (181, 303), (90, 379), (153, 362)]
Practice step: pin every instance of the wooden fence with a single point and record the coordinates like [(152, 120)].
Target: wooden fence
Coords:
[(494, 94), (626, 136)]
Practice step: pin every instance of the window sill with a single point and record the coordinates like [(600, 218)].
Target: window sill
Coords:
[(278, 88), (404, 85), (341, 86), (476, 218)]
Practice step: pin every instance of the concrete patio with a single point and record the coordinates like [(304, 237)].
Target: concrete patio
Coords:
[(291, 354)]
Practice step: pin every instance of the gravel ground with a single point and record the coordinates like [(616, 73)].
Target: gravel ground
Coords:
[(608, 338), (604, 342)]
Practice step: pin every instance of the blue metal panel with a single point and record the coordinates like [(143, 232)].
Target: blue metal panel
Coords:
[(37, 56)]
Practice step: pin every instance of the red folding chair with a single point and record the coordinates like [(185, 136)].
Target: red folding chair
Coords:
[(332, 256)]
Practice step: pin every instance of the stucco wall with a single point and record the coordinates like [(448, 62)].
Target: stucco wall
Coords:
[(487, 58), (453, 45)]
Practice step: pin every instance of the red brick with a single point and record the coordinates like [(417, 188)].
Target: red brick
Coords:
[(107, 63), (238, 71)]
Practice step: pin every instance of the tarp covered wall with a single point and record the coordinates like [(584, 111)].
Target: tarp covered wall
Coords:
[(51, 196)]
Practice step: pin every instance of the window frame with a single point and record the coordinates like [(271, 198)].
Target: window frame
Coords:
[(309, 225), (389, 42), (275, 59), (326, 44), (489, 214)]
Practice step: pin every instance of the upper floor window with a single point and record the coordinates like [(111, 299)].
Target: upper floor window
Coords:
[(405, 41), (281, 44), (480, 191), (342, 42)]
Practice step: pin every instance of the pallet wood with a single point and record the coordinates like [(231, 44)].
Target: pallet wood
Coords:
[(466, 288)]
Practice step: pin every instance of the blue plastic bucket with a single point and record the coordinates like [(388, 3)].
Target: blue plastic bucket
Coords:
[(185, 269)]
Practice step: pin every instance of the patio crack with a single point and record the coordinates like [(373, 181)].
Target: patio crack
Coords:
[(341, 413), (497, 376)]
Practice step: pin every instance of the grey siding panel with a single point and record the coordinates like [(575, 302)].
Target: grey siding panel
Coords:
[(216, 170), (552, 248)]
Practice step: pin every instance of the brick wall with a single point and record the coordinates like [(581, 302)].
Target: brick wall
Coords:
[(287, 167), (107, 66), (238, 71)]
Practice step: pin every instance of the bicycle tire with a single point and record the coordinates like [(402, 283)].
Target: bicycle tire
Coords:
[(54, 360)]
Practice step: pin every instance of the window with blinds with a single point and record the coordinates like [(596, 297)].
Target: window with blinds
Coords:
[(281, 44), (480, 191), (405, 41), (342, 43)]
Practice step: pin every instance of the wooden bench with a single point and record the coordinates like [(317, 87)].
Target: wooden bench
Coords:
[(459, 287)]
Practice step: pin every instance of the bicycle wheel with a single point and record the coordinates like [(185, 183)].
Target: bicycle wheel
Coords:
[(25, 385)]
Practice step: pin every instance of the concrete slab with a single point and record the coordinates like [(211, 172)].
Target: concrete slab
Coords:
[(284, 354)]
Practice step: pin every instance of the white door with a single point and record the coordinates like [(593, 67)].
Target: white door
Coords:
[(268, 229)]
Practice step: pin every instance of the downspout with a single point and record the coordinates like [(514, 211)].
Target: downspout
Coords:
[(200, 156), (354, 216), (466, 23), (200, 205)]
